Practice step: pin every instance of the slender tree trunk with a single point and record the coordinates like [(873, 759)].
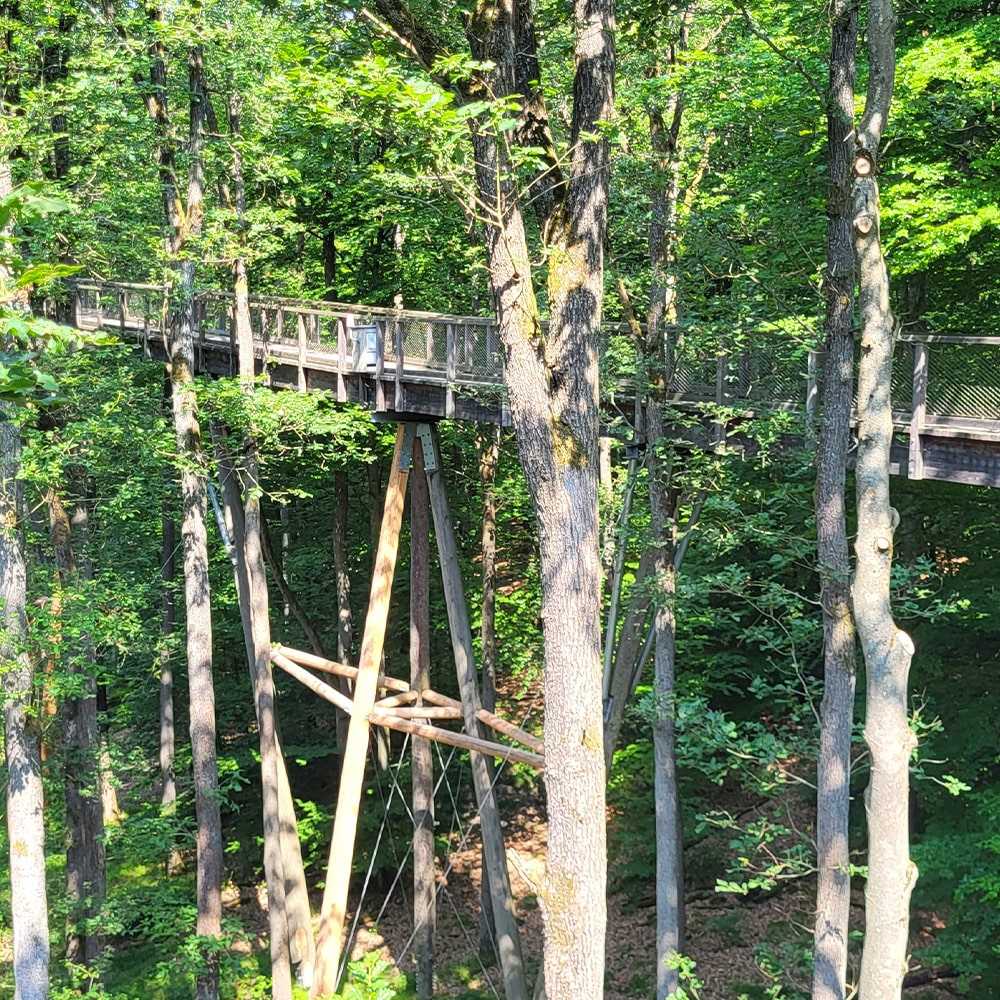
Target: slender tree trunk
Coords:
[(626, 653), (341, 570), (424, 881), (887, 650), (197, 595), (85, 860), (256, 599), (345, 621), (664, 504), (22, 745), (489, 454), (110, 809), (833, 885), (297, 917), (168, 784)]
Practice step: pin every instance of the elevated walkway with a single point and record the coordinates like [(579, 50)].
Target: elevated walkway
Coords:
[(401, 363)]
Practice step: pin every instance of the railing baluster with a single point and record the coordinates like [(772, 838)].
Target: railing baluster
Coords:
[(341, 359), (398, 334), (379, 364), (918, 413), (451, 371), (301, 329)]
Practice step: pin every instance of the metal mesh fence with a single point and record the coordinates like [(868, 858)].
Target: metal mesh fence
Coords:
[(963, 378), (964, 381)]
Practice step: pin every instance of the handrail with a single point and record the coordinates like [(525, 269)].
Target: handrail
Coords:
[(456, 350)]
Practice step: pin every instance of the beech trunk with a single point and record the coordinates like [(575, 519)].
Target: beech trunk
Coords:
[(22, 743), (887, 649), (833, 793)]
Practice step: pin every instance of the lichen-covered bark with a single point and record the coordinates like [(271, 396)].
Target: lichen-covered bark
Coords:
[(552, 383), (22, 744), (887, 650), (184, 223), (833, 881)]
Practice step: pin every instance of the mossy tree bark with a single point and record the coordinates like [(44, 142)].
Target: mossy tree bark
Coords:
[(552, 381)]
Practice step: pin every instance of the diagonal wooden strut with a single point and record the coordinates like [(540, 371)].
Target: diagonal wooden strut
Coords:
[(364, 712), (401, 705), (331, 926)]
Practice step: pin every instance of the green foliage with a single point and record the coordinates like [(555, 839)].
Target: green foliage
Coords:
[(372, 978)]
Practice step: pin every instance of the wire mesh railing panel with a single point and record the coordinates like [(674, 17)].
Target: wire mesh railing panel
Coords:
[(902, 376), (964, 381), (775, 373), (694, 377), (486, 352)]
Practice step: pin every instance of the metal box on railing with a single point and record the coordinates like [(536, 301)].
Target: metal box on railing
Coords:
[(364, 347)]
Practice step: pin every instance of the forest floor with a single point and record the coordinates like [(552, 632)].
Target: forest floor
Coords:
[(745, 948)]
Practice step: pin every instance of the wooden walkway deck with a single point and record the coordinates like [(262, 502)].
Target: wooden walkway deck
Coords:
[(402, 363)]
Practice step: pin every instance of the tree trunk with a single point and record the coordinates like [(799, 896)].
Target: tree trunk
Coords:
[(341, 570), (85, 859), (833, 884), (489, 454), (290, 912), (185, 225), (168, 785), (424, 881), (22, 745), (552, 381), (665, 499), (887, 650)]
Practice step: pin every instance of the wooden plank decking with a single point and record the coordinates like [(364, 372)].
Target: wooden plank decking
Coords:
[(404, 363)]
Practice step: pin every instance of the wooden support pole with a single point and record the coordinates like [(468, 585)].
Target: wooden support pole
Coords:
[(326, 691), (472, 743), (424, 878), (331, 926), (491, 720), (340, 669), (395, 700), (420, 712), (508, 938)]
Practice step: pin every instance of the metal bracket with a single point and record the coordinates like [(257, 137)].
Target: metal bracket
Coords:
[(423, 431)]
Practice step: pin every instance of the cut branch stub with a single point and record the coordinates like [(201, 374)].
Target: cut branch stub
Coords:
[(863, 165), (864, 224)]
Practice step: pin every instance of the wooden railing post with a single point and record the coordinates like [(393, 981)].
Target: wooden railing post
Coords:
[(451, 371), (379, 364), (342, 358), (812, 383), (918, 409), (301, 332), (397, 331)]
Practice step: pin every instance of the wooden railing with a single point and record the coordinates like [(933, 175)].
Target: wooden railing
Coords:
[(941, 384)]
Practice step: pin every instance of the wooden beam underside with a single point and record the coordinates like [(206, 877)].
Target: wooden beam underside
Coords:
[(403, 707)]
